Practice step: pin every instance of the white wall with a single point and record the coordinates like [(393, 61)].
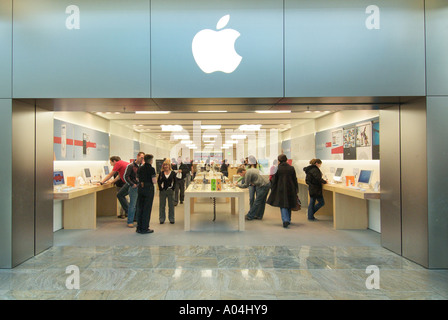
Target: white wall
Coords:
[(148, 144), (302, 136)]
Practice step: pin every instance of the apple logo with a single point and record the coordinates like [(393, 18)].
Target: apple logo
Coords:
[(215, 50)]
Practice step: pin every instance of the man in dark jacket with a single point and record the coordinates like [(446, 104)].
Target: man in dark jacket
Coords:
[(146, 178), (130, 176), (314, 181), (182, 168), (284, 189)]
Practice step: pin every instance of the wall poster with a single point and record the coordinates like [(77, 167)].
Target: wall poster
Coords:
[(72, 142)]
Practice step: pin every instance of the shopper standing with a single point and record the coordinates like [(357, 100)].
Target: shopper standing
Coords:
[(147, 178), (119, 166), (273, 169), (284, 189), (166, 183), (224, 168), (130, 176), (314, 181), (181, 173), (251, 162), (252, 177), (188, 176)]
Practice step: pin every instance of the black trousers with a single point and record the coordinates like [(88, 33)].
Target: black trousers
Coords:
[(179, 188), (144, 207)]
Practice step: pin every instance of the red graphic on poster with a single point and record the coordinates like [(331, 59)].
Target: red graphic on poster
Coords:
[(77, 143), (337, 150)]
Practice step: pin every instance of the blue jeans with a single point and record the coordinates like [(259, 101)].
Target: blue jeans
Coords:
[(121, 195), (133, 194), (252, 192), (286, 214), (313, 207), (257, 209)]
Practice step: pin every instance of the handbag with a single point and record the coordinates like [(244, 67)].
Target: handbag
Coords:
[(298, 205)]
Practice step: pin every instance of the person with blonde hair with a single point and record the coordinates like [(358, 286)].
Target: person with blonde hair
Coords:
[(166, 182), (314, 181)]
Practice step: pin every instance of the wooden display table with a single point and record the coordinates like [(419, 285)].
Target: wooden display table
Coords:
[(348, 206), (197, 191), (81, 206)]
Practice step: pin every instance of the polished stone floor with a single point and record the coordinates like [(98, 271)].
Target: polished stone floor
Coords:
[(309, 260)]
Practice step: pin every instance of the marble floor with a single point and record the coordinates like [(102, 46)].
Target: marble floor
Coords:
[(309, 260)]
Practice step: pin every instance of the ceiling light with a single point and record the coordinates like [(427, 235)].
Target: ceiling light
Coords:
[(250, 127), (186, 142), (192, 147), (273, 111), (210, 126), (181, 136), (171, 127), (152, 112), (229, 142), (210, 136), (205, 111), (238, 136)]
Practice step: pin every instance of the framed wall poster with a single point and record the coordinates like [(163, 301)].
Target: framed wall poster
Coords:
[(364, 141), (337, 145), (349, 143)]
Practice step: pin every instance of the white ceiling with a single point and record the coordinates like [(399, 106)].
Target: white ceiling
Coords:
[(151, 123)]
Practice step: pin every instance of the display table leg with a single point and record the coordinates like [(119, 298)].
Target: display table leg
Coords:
[(187, 213), (241, 212), (232, 205)]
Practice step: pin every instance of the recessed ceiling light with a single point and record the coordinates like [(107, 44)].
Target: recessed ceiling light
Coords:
[(181, 136), (186, 141), (239, 136), (210, 136), (211, 126), (231, 142), (250, 127), (206, 111), (171, 127), (152, 112), (273, 111)]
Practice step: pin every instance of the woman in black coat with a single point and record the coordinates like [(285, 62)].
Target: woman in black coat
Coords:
[(284, 189), (314, 181)]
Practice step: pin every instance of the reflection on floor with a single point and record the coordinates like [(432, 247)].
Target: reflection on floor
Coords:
[(309, 260)]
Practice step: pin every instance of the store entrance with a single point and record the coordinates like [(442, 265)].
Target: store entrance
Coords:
[(344, 136)]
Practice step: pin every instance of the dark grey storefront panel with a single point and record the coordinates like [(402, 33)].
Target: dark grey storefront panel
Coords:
[(107, 57), (5, 48), (175, 73), (330, 50), (437, 47)]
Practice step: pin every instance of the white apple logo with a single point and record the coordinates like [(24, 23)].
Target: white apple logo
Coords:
[(215, 50)]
